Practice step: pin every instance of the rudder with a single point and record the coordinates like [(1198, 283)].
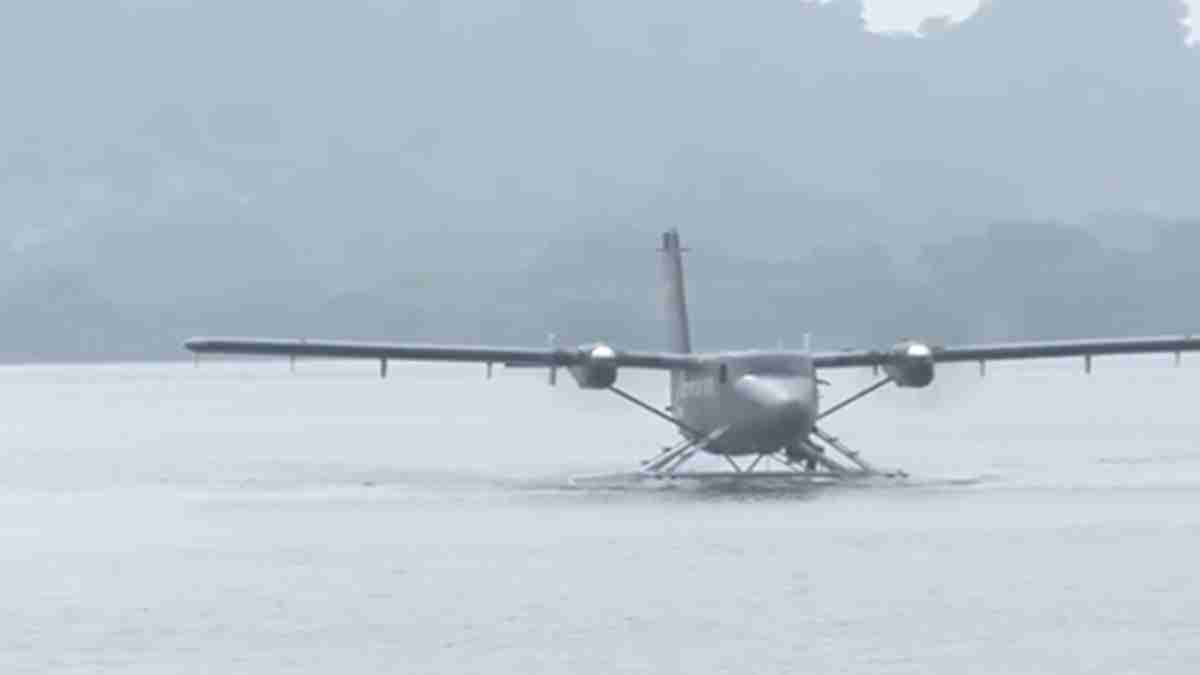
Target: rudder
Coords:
[(679, 338)]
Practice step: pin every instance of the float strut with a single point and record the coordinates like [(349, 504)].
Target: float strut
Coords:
[(857, 397), (654, 411)]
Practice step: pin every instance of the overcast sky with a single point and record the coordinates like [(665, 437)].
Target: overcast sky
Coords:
[(906, 14), (331, 169)]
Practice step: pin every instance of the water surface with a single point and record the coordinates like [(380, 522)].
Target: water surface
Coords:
[(239, 518)]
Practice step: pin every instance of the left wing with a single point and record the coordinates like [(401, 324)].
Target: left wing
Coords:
[(1011, 351), (383, 351)]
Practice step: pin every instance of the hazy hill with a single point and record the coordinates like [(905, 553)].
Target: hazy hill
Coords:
[(499, 169)]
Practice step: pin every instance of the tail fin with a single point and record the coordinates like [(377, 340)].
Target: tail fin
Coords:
[(679, 338)]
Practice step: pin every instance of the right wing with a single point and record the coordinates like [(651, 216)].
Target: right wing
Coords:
[(1012, 351), (383, 351)]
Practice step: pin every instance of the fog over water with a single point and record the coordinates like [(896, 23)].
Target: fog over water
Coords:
[(494, 170), (238, 518)]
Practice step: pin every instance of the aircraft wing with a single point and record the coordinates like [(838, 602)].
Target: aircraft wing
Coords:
[(382, 351), (1013, 351)]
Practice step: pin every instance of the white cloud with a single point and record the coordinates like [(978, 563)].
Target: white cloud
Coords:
[(886, 15), (906, 15)]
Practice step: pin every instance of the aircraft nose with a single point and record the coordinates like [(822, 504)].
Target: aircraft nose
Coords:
[(783, 401)]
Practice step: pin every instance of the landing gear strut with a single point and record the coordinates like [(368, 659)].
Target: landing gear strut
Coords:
[(820, 441), (811, 459)]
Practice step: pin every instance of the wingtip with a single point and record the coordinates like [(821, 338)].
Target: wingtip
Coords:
[(195, 344)]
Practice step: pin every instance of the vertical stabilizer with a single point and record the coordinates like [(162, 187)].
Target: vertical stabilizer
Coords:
[(679, 338)]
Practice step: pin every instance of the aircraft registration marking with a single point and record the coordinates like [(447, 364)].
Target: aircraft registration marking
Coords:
[(698, 388)]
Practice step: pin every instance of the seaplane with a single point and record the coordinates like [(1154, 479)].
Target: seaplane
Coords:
[(758, 410)]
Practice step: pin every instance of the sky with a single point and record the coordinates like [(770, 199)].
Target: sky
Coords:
[(906, 14), (345, 172)]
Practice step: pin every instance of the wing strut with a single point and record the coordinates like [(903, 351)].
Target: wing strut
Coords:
[(857, 397), (654, 411)]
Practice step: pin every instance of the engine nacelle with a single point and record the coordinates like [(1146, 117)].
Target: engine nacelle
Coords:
[(598, 369), (911, 365)]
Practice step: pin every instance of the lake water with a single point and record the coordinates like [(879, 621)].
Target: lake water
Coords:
[(238, 518)]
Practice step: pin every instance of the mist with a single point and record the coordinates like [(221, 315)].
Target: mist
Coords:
[(494, 171)]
